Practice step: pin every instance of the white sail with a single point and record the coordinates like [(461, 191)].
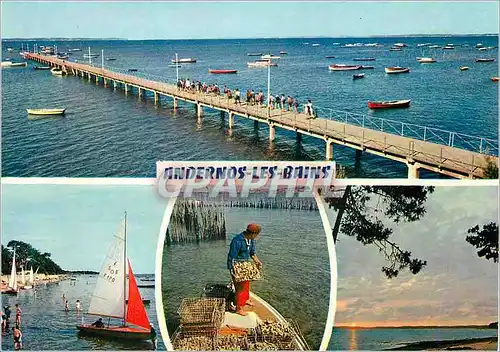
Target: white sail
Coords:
[(13, 273), (32, 277), (23, 276), (109, 294)]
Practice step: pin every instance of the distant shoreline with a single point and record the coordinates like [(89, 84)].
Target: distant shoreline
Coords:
[(417, 327), (266, 38), (483, 343)]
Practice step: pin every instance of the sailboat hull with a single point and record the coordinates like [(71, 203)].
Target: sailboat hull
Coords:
[(10, 292), (118, 332)]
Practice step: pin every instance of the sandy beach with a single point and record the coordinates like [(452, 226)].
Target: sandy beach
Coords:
[(480, 344), (39, 280)]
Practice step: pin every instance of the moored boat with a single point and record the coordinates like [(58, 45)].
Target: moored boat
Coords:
[(109, 297), (57, 71), (494, 79), (254, 54), (364, 59), (485, 60), (395, 49), (464, 68), (396, 69), (75, 49), (358, 76), (46, 111), (482, 49), (87, 56), (365, 67), (184, 61), (262, 63), (448, 47), (110, 59), (41, 67), (132, 70), (14, 64), (341, 67), (283, 53), (222, 72), (434, 46), (12, 288), (425, 60), (270, 57), (330, 57), (389, 104)]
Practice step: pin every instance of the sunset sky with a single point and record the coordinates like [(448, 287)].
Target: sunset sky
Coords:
[(455, 288)]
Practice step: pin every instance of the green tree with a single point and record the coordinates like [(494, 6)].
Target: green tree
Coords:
[(491, 171), (485, 239), (27, 256), (364, 211)]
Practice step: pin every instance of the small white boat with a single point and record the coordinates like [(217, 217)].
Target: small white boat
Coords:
[(14, 64), (464, 68), (87, 56), (425, 60), (482, 49), (434, 46), (46, 111), (316, 44), (57, 71), (448, 47), (75, 49), (400, 45), (184, 61), (396, 69), (262, 63)]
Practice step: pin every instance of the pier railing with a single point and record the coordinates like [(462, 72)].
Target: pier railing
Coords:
[(464, 141)]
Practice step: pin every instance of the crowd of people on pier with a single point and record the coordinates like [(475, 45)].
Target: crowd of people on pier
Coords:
[(276, 102)]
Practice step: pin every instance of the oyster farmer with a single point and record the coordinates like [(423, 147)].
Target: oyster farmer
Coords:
[(243, 247)]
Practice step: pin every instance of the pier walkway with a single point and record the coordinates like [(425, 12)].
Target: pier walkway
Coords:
[(356, 131)]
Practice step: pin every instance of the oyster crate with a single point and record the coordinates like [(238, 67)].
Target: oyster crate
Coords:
[(219, 290), (246, 270), (194, 339), (231, 343), (204, 313)]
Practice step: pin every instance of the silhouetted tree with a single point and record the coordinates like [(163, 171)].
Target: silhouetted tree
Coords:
[(364, 211), (26, 256), (485, 239)]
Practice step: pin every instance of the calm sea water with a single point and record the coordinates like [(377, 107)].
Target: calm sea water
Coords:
[(380, 339), (106, 133), (292, 247), (46, 326)]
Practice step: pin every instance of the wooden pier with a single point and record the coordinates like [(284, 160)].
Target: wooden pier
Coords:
[(415, 153)]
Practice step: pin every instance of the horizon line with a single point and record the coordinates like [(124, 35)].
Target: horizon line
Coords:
[(285, 37), (413, 326)]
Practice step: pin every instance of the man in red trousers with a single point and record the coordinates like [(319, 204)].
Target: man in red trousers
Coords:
[(243, 247)]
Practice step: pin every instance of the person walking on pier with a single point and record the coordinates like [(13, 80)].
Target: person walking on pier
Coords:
[(282, 102), (237, 96), (289, 102), (243, 247), (271, 102), (295, 105)]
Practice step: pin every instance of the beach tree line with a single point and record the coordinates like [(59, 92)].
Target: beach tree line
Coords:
[(27, 257)]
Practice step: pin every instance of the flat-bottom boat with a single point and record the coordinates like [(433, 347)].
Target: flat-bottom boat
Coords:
[(389, 104), (358, 76), (46, 111), (245, 330), (222, 72)]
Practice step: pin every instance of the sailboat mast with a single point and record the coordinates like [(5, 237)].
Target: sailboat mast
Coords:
[(125, 273)]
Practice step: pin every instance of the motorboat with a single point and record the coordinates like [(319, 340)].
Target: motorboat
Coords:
[(75, 49), (340, 67), (464, 68), (14, 64), (46, 111), (316, 44), (425, 60), (396, 69), (222, 72), (364, 59), (389, 104), (64, 57), (485, 60), (479, 45), (358, 76), (184, 61)]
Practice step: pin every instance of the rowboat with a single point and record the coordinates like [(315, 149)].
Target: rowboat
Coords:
[(110, 296), (485, 60), (358, 76), (396, 69), (364, 59), (252, 329), (254, 54), (494, 79), (340, 67), (183, 61), (389, 104), (57, 71), (222, 72), (46, 111), (464, 68), (425, 60), (41, 68)]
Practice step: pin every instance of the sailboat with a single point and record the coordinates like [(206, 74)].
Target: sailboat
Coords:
[(32, 277), (109, 297), (23, 280), (12, 289)]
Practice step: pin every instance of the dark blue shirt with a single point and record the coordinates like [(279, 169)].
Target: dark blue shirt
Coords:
[(239, 249)]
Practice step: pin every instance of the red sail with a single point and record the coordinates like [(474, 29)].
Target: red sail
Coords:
[(136, 313)]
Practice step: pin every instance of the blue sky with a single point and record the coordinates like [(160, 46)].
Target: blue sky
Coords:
[(455, 288), (76, 223), (198, 20)]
